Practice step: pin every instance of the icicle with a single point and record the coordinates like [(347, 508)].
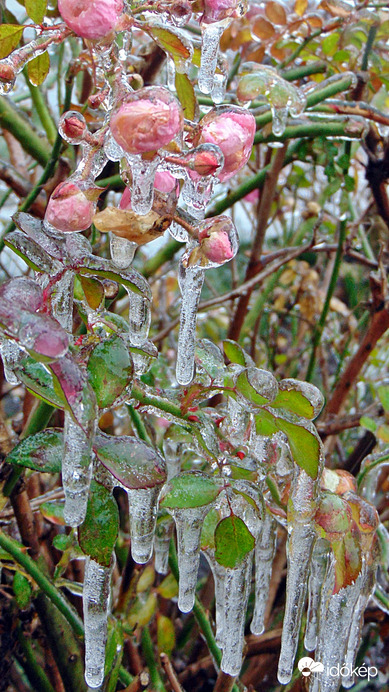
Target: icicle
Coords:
[(142, 189), (218, 572), (336, 613), (219, 83), (76, 471), (122, 250), (191, 282), (11, 354), (170, 74), (172, 449), (236, 593), (316, 578), (139, 318), (280, 116), (62, 301), (196, 194), (189, 523), (143, 505), (96, 597), (162, 539), (264, 554), (211, 34)]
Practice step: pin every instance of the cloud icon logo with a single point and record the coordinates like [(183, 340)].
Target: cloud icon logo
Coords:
[(307, 666)]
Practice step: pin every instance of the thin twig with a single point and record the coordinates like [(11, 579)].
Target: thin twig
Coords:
[(170, 673)]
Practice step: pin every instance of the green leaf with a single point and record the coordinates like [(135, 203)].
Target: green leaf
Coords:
[(189, 489), (30, 252), (36, 9), (186, 95), (134, 463), (234, 352), (97, 535), (22, 590), (295, 402), (62, 542), (209, 357), (368, 423), (383, 395), (10, 35), (53, 511), (305, 447), (166, 636), (208, 529), (233, 541), (265, 423), (168, 587), (171, 43), (110, 370), (142, 611), (245, 387), (329, 43), (38, 69), (41, 452), (89, 289), (39, 381)]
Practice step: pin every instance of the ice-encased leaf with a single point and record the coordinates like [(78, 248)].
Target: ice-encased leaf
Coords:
[(304, 446), (98, 533), (233, 541), (301, 398), (257, 386), (173, 43), (235, 353), (91, 290), (110, 370), (98, 266), (39, 381), (38, 68), (41, 452), (189, 489), (186, 95), (42, 336), (132, 462), (10, 35), (209, 357), (265, 423), (33, 228), (71, 384), (33, 255)]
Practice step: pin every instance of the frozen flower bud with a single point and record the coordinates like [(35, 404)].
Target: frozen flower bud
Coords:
[(163, 181), (206, 162), (217, 10), (91, 19), (72, 127), (7, 71), (233, 130), (70, 208), (149, 120), (218, 243)]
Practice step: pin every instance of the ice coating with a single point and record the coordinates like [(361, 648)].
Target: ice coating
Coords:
[(143, 505), (218, 243), (210, 39), (317, 574), (139, 318), (191, 281), (11, 354), (61, 298), (264, 554), (76, 471), (236, 593), (163, 535), (122, 250), (91, 19), (96, 603), (232, 129), (217, 10), (189, 522), (149, 120)]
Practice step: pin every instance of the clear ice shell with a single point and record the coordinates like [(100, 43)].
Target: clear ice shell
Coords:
[(189, 522), (163, 534), (96, 601), (318, 570), (143, 506), (62, 300), (76, 471), (122, 251), (211, 34), (264, 553), (142, 188), (11, 354), (139, 318), (191, 281)]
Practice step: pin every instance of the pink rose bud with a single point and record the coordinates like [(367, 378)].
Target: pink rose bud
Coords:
[(70, 208), (149, 120), (217, 10), (72, 127), (92, 19), (7, 72), (206, 162), (163, 181), (218, 243), (233, 130)]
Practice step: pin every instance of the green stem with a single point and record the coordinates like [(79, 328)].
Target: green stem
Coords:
[(17, 550), (138, 423), (157, 402), (303, 71), (41, 109), (314, 129), (301, 47), (334, 277), (34, 670), (32, 143), (148, 652), (369, 45)]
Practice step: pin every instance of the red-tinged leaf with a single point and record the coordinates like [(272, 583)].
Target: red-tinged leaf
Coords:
[(10, 35), (38, 69), (233, 541), (97, 535), (175, 45), (41, 452), (134, 463), (110, 370), (275, 12), (36, 9), (186, 95), (53, 512), (304, 445)]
